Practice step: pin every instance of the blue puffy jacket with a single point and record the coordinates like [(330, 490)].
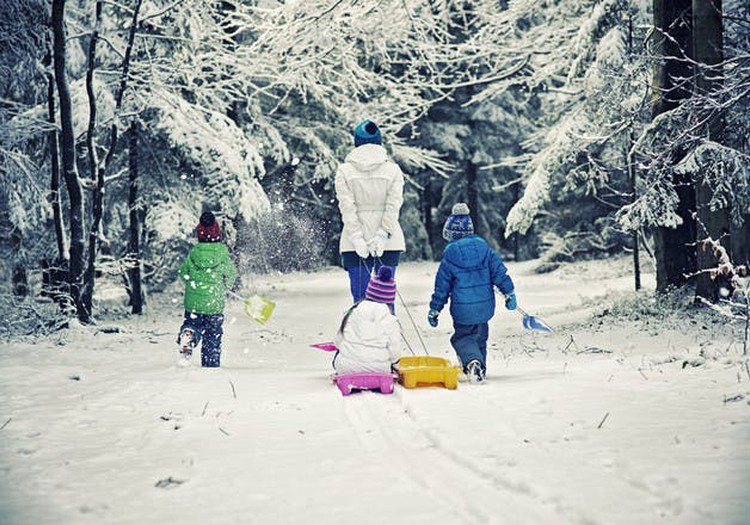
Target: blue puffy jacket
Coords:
[(467, 273)]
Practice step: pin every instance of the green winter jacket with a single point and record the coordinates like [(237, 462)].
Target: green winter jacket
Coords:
[(208, 273)]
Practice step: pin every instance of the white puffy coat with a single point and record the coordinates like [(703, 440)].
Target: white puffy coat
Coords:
[(370, 190), (370, 342)]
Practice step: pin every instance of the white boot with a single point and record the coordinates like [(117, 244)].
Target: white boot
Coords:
[(187, 343), (475, 372)]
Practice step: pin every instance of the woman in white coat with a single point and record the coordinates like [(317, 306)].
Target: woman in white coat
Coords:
[(369, 188), (369, 339)]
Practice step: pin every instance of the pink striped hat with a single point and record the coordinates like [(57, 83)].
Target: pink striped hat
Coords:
[(382, 289)]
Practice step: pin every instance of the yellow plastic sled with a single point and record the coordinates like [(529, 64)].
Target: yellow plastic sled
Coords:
[(259, 308), (416, 371)]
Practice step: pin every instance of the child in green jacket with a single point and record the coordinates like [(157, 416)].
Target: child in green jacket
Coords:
[(208, 272)]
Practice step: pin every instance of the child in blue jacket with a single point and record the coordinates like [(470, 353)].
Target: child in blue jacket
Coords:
[(468, 273)]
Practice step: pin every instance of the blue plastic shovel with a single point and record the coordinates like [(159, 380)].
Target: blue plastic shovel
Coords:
[(531, 322)]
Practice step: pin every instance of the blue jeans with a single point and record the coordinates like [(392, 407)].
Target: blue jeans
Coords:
[(359, 270), (208, 329), (470, 342)]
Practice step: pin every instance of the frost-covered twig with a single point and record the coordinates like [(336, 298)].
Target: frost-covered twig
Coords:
[(234, 392)]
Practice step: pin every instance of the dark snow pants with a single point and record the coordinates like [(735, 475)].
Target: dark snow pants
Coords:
[(470, 342), (208, 329), (359, 270)]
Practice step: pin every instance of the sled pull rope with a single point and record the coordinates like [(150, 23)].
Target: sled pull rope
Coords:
[(413, 323), (408, 345)]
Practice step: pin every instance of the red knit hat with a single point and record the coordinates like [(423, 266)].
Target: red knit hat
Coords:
[(208, 229)]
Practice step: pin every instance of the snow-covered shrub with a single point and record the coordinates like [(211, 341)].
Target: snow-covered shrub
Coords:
[(733, 301), (29, 317)]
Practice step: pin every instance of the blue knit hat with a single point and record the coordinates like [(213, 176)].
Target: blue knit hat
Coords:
[(458, 224), (367, 133)]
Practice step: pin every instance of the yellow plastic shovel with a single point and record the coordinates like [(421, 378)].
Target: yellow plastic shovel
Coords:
[(259, 308)]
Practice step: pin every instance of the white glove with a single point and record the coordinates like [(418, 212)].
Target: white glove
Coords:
[(360, 246), (377, 243)]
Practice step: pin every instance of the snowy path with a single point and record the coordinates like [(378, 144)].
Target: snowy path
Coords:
[(603, 425)]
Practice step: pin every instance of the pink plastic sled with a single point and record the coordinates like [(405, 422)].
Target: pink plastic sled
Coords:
[(328, 346), (348, 383)]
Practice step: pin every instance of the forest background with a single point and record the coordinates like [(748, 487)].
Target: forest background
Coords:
[(572, 128)]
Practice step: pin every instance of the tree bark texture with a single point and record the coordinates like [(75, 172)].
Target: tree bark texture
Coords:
[(87, 295), (54, 161), (633, 176), (427, 206), (672, 41), (472, 195), (98, 170), (709, 76), (19, 277), (134, 245), (741, 243), (68, 154)]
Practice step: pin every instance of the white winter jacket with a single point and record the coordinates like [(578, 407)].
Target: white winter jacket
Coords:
[(370, 189), (370, 342)]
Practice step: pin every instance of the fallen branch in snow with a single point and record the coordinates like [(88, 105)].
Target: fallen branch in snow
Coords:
[(109, 330), (224, 432), (733, 399), (644, 375), (234, 392), (601, 423), (169, 482), (6, 423), (594, 350), (529, 348), (571, 342), (203, 413)]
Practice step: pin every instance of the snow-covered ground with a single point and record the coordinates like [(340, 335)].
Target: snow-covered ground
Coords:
[(610, 420)]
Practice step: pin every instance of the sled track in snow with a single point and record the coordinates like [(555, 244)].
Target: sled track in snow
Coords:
[(472, 495), (667, 500)]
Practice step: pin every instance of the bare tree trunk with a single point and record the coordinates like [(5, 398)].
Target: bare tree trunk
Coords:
[(633, 176), (19, 277), (68, 154), (427, 205), (741, 242), (516, 244), (98, 170), (709, 77), (134, 250), (97, 182), (472, 195), (674, 249), (55, 270), (54, 161), (636, 236)]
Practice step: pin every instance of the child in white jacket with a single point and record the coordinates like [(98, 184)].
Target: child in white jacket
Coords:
[(369, 339)]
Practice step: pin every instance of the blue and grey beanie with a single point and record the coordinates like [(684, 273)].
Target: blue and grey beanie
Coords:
[(367, 133), (458, 224)]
